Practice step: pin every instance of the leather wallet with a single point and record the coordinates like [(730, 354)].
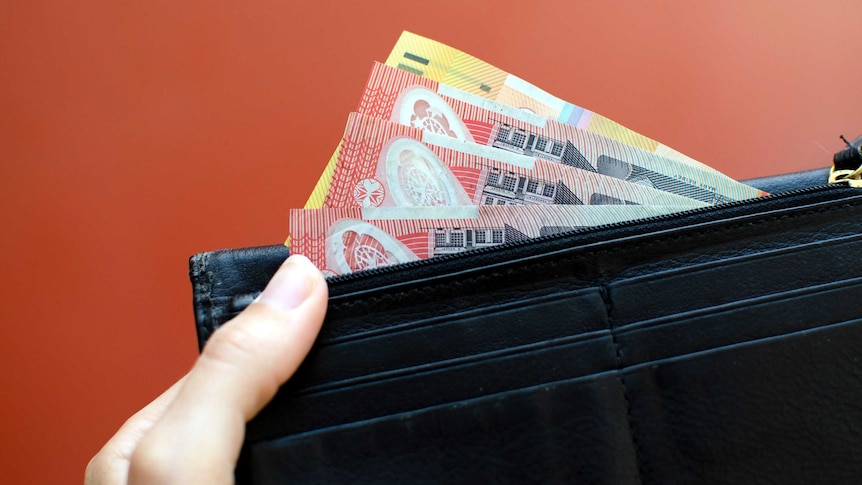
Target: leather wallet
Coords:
[(718, 345)]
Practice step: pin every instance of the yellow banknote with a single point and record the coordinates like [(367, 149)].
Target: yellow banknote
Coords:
[(447, 65)]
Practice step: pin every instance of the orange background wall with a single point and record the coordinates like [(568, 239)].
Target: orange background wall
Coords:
[(133, 134)]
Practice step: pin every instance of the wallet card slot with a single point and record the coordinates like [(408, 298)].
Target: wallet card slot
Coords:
[(408, 345), (833, 244), (736, 322), (753, 273), (560, 303), (556, 360), (446, 363), (558, 432), (376, 314)]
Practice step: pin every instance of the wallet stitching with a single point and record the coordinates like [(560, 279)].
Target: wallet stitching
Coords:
[(203, 304), (604, 291), (446, 288)]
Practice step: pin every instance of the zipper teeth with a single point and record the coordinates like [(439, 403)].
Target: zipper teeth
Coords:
[(554, 237)]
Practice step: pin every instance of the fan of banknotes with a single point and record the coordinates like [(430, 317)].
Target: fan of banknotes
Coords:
[(446, 153)]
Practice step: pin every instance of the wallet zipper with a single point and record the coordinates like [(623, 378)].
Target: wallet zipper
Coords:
[(751, 206)]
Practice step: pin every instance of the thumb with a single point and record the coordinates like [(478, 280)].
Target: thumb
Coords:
[(241, 367)]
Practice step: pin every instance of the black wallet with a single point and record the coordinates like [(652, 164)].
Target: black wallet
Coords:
[(718, 345)]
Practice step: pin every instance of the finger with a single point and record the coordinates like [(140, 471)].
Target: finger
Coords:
[(111, 464), (241, 367)]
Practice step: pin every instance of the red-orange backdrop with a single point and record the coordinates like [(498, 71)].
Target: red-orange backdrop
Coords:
[(133, 134)]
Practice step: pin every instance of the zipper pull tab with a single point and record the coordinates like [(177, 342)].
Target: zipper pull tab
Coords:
[(847, 164)]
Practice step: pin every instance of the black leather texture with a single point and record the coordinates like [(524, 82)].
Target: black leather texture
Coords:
[(713, 346)]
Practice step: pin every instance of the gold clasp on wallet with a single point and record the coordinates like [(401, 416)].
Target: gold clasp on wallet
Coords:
[(852, 177), (847, 164)]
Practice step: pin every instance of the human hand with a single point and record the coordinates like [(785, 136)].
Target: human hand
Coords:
[(193, 432)]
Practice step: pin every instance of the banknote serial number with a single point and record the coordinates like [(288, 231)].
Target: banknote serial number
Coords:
[(696, 183)]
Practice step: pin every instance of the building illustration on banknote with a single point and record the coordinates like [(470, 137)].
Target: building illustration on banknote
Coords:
[(451, 240), (523, 142), (355, 245), (510, 188)]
